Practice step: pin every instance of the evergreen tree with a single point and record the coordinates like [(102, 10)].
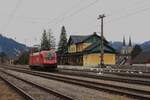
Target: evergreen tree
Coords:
[(136, 50), (23, 59), (3, 57), (51, 39), (44, 41), (62, 46)]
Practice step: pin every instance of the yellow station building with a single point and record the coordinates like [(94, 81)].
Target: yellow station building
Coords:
[(85, 51)]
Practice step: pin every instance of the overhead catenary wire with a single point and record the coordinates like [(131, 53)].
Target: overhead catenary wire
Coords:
[(126, 15), (62, 16), (79, 10), (129, 7), (120, 17), (69, 10), (67, 16), (76, 12), (38, 19), (45, 20), (129, 14), (5, 26)]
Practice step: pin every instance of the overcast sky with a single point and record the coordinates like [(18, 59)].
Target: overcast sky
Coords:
[(24, 20)]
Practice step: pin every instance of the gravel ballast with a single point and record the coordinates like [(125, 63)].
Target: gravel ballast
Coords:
[(36, 93), (8, 93), (77, 92)]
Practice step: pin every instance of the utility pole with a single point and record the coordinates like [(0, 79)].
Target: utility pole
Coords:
[(102, 42)]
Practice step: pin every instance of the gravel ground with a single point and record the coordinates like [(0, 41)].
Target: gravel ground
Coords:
[(77, 92), (7, 93), (37, 93)]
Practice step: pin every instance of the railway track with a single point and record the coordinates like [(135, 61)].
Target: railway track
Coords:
[(20, 91), (117, 72), (144, 75), (107, 69), (123, 72), (28, 88), (126, 79), (143, 94), (133, 78)]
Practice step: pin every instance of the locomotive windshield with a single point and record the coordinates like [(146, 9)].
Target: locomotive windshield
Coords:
[(35, 49)]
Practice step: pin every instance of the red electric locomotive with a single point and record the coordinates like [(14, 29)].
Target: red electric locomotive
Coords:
[(46, 59)]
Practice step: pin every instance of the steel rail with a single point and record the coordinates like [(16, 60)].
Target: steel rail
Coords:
[(136, 93), (20, 91), (125, 79), (128, 73), (60, 95)]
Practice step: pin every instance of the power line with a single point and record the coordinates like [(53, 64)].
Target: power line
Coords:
[(77, 11), (69, 10), (138, 2), (124, 9), (40, 20), (12, 15), (52, 19), (129, 14), (36, 20), (126, 15), (63, 14)]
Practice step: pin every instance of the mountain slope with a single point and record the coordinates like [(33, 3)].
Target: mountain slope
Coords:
[(146, 46), (116, 45), (10, 47)]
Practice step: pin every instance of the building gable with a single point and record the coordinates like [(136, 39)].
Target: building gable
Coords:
[(75, 39), (95, 47), (92, 39), (90, 43)]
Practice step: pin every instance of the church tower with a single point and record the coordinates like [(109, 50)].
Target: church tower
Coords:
[(123, 49), (130, 44), (130, 48), (124, 42)]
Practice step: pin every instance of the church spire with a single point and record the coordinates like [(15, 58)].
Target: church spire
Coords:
[(124, 43), (130, 44)]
